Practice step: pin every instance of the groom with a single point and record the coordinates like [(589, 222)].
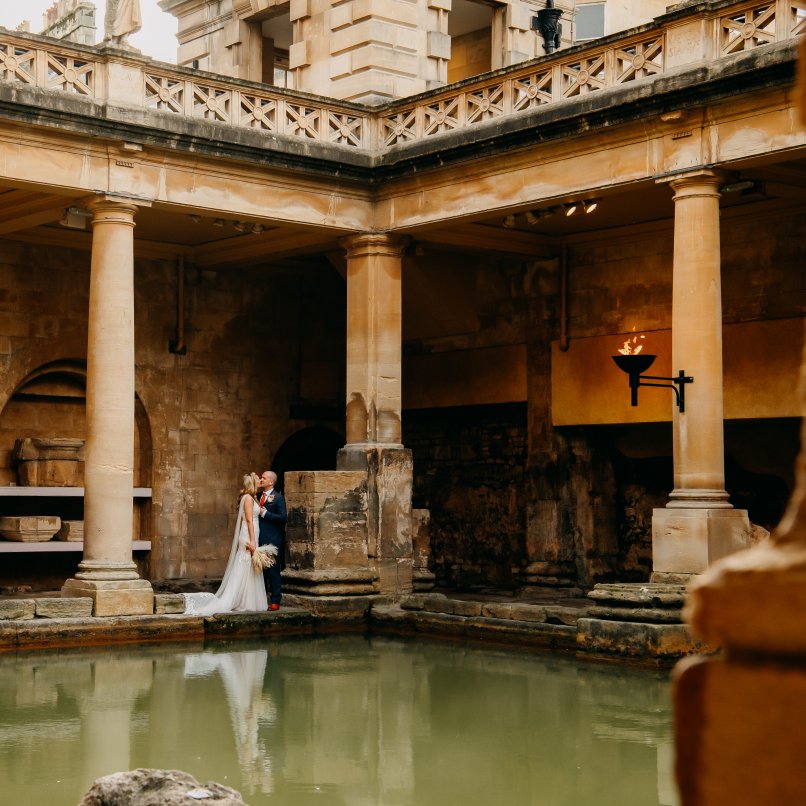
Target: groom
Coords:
[(272, 522)]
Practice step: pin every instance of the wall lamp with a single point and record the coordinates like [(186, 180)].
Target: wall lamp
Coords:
[(636, 363), (547, 22)]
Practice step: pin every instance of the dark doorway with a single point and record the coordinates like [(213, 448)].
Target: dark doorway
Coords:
[(313, 448)]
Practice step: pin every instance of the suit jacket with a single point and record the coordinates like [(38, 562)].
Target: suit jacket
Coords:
[(272, 524)]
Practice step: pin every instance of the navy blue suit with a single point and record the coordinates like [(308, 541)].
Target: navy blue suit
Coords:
[(272, 526)]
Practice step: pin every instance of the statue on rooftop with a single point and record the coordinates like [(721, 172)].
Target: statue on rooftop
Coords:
[(122, 19)]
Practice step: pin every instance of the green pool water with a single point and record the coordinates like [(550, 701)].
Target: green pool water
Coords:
[(338, 720)]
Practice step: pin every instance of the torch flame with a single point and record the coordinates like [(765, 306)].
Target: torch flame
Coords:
[(631, 346)]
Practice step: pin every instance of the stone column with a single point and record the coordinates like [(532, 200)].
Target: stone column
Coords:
[(739, 718), (699, 524), (107, 572), (374, 403), (374, 339)]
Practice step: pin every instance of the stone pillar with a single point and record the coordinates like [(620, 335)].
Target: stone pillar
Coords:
[(374, 355), (107, 572), (699, 524)]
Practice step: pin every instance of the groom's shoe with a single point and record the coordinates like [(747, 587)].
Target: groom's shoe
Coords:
[(274, 607)]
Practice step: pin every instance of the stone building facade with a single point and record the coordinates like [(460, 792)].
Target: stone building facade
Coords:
[(410, 305), (372, 52)]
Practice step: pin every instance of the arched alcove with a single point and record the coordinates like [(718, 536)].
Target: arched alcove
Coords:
[(50, 402), (312, 448)]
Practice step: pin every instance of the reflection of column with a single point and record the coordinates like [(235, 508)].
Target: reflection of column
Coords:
[(107, 572), (374, 405), (106, 704), (699, 524)]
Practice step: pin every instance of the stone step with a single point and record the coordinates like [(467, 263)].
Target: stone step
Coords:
[(66, 607), (511, 611), (165, 603), (655, 615), (17, 609), (639, 594)]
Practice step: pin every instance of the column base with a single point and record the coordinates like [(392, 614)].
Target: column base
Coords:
[(330, 582), (687, 541), (130, 597)]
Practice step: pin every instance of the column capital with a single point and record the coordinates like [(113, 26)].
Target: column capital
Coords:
[(362, 244), (113, 207), (696, 182)]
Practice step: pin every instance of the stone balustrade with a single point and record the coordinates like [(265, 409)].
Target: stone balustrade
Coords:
[(700, 32)]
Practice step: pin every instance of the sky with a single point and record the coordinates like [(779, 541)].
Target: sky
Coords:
[(156, 39)]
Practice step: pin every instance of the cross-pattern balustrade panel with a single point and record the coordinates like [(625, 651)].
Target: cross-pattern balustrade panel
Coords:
[(60, 67), (747, 28), (17, 63), (165, 93), (70, 75)]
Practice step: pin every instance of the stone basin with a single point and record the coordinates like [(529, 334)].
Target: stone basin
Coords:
[(50, 462), (29, 528)]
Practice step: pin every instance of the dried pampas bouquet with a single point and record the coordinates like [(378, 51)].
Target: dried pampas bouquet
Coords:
[(264, 557)]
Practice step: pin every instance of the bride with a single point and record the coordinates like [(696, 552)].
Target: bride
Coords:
[(242, 588)]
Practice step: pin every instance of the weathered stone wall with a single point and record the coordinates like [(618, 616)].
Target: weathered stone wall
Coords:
[(578, 502), (469, 473), (258, 343)]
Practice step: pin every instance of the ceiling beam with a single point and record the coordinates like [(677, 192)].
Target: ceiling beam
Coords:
[(271, 245), (472, 237), (81, 239)]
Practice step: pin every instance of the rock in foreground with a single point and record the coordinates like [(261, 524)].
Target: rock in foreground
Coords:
[(158, 788)]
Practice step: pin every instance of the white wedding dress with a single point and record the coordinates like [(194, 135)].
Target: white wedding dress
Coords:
[(242, 588)]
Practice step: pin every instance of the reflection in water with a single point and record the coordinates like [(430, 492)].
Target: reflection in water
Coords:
[(339, 720)]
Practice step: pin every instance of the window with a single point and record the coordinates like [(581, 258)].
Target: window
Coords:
[(590, 21)]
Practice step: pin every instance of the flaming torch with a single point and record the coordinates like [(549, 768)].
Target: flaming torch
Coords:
[(632, 360)]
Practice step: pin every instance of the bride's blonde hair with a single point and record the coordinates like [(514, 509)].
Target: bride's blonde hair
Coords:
[(249, 485)]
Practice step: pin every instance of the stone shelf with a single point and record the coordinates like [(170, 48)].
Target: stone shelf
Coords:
[(61, 492), (13, 547)]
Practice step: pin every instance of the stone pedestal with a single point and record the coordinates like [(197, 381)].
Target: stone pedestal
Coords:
[(389, 472), (326, 534), (687, 541), (130, 597)]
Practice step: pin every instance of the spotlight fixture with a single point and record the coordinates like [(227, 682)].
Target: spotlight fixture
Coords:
[(74, 218), (509, 221), (219, 222), (590, 205), (533, 216), (240, 226), (196, 219), (571, 208), (742, 185), (257, 229)]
